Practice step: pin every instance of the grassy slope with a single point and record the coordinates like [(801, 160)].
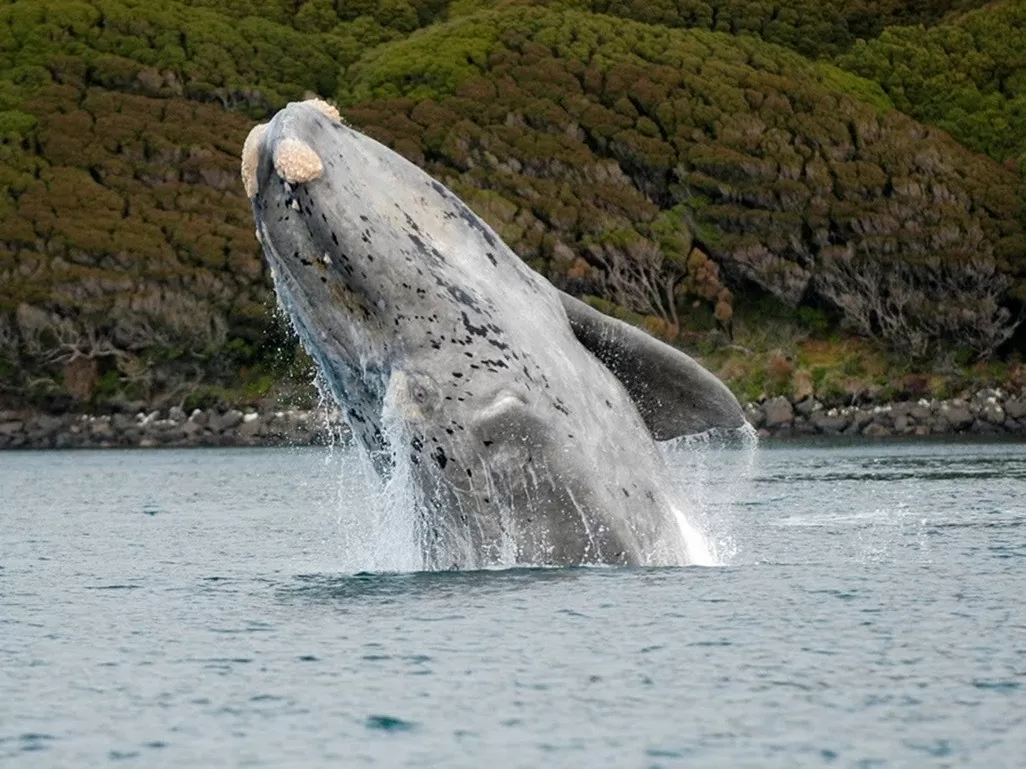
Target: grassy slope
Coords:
[(125, 242)]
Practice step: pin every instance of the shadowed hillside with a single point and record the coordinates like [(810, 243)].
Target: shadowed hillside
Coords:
[(706, 183)]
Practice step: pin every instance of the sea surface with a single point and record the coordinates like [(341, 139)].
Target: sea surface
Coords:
[(214, 608)]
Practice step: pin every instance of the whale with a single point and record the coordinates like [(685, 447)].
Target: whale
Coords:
[(524, 422)]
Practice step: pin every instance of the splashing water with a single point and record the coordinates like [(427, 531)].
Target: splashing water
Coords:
[(709, 471), (381, 524)]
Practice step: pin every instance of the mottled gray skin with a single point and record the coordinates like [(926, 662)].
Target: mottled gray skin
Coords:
[(457, 366)]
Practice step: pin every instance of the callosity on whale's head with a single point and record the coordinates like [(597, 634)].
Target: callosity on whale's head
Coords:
[(519, 413)]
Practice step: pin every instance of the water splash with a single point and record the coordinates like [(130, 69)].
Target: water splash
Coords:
[(384, 525), (710, 471)]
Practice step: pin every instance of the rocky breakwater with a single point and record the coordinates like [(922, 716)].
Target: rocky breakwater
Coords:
[(168, 428), (986, 412)]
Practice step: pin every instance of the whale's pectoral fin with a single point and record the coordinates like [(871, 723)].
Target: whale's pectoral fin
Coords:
[(673, 393)]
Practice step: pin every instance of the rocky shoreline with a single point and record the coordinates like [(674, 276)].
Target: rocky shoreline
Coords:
[(171, 428), (987, 412)]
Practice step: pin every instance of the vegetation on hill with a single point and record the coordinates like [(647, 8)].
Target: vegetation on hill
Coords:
[(967, 77), (611, 149), (663, 157)]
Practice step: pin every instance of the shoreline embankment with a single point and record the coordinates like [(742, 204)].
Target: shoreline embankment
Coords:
[(989, 412)]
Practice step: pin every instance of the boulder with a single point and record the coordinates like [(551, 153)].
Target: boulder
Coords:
[(958, 417), (100, 429), (994, 414), (229, 420), (876, 430), (249, 429), (982, 427), (755, 415), (1016, 409), (921, 412), (807, 406), (778, 412), (831, 422), (10, 429)]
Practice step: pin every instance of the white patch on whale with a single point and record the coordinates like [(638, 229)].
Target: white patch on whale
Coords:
[(251, 159), (296, 162)]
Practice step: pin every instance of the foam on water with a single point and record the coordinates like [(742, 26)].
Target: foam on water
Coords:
[(709, 472), (380, 525)]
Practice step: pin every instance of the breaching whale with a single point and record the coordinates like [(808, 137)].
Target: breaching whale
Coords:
[(524, 420)]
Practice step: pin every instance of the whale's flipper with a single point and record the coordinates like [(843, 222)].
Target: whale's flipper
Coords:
[(673, 393)]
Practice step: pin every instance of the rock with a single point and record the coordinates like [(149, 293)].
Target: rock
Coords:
[(958, 417), (859, 419), (900, 423), (250, 428), (219, 423), (982, 427), (882, 416), (48, 423), (176, 414), (778, 412), (921, 411), (199, 417), (994, 414), (755, 415), (876, 430), (101, 429), (10, 429), (802, 426), (831, 422), (1016, 409), (122, 422), (807, 406)]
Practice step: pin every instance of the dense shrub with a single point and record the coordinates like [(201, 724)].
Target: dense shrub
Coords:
[(580, 132), (968, 76), (626, 149)]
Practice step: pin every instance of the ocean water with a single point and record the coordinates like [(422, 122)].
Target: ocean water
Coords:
[(202, 609)]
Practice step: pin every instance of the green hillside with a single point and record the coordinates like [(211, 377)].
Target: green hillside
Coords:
[(967, 77), (733, 175)]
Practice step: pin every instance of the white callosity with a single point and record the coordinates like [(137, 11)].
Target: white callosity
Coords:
[(296, 162), (328, 110), (251, 159)]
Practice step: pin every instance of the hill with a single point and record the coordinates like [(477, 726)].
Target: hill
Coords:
[(707, 183)]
